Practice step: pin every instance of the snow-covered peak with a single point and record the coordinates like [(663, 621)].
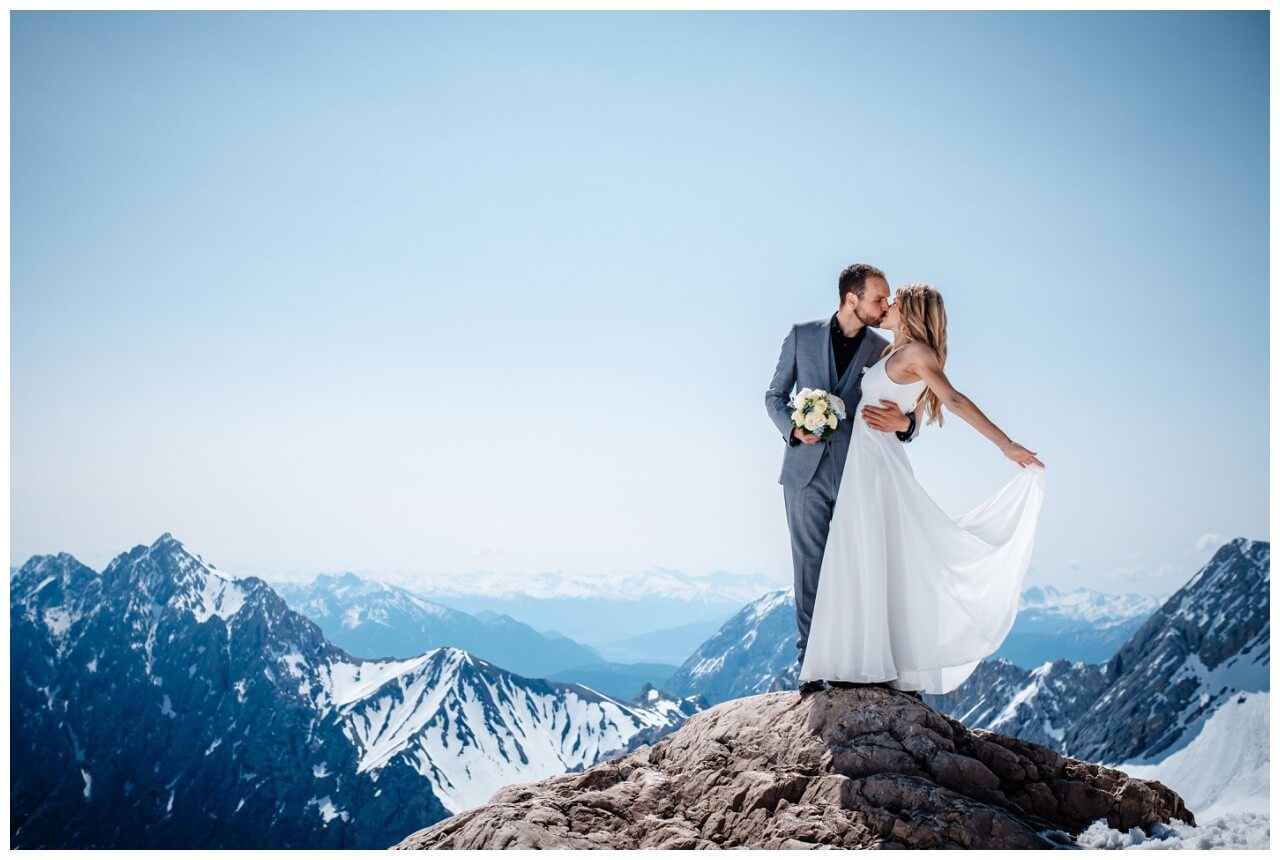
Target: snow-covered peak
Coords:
[(1239, 551), (771, 601), (470, 727), (1087, 605)]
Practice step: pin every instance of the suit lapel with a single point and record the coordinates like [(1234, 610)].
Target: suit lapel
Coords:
[(824, 332)]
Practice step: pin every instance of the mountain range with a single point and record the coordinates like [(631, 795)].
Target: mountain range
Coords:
[(370, 618), (165, 703), (169, 704)]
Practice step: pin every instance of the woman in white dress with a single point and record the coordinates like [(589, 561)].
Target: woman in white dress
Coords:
[(908, 595)]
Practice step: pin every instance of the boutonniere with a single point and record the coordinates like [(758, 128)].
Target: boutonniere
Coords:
[(860, 372)]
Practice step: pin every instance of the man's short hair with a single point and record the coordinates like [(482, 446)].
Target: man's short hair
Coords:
[(854, 279)]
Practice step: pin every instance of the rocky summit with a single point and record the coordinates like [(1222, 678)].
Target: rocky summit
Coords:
[(868, 767)]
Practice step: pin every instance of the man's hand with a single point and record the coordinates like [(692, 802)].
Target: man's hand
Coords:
[(805, 436), (888, 418)]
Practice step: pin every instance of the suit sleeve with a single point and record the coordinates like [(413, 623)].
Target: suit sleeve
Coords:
[(777, 397)]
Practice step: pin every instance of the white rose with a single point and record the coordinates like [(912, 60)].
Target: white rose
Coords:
[(802, 394), (831, 421), (820, 405), (813, 421), (838, 405), (797, 417)]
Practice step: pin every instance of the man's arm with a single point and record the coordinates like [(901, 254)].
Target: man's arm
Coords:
[(777, 397), (914, 430), (888, 418)]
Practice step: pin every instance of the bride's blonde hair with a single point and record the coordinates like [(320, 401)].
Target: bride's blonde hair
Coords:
[(924, 319)]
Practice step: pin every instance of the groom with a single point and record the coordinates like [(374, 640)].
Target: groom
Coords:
[(829, 354)]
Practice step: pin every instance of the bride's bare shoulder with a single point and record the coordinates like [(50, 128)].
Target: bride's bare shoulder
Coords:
[(917, 351)]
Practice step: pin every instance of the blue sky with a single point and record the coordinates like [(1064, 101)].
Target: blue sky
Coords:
[(426, 294)]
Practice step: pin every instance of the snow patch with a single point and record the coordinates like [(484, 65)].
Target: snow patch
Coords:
[(1242, 830), (58, 619), (327, 810), (221, 596), (1226, 767), (350, 682)]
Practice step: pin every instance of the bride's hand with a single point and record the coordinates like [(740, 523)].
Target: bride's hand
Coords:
[(1020, 455)]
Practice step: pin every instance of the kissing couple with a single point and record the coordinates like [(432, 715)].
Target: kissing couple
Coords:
[(889, 589)]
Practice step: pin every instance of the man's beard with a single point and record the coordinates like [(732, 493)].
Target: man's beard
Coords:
[(872, 321)]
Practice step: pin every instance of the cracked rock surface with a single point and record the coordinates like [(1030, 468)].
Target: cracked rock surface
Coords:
[(868, 767)]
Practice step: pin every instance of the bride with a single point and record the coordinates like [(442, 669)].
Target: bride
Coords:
[(908, 595)]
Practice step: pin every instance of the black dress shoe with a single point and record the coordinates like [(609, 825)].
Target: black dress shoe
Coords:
[(844, 685), (811, 687)]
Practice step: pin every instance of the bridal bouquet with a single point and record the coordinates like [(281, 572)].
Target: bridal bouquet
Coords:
[(817, 411)]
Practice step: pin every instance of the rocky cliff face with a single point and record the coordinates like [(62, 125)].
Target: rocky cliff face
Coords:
[(868, 767), (1037, 705), (1209, 641)]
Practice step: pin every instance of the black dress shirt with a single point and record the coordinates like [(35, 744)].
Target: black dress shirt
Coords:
[(844, 348)]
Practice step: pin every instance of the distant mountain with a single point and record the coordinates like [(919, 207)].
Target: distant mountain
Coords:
[(601, 622), (671, 644), (663, 584), (1081, 625), (1036, 705), (1209, 641), (372, 619), (618, 679), (168, 704), (745, 655)]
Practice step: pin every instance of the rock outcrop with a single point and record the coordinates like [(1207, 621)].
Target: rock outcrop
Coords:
[(868, 767)]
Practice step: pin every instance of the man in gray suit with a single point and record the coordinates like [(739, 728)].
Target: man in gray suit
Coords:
[(829, 354)]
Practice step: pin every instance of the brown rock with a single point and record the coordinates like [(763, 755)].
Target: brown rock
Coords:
[(867, 767)]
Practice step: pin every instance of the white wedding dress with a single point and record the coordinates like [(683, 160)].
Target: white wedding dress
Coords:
[(906, 593)]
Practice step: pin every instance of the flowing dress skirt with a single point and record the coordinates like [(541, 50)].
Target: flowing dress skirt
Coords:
[(906, 593)]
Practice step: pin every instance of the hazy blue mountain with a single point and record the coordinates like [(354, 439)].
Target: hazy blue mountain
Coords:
[(745, 655), (373, 619), (1081, 625), (167, 704), (670, 645), (601, 621), (619, 679)]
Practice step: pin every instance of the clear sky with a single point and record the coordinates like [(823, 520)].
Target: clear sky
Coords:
[(439, 294)]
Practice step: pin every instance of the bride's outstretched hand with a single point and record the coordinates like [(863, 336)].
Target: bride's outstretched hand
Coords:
[(1020, 455)]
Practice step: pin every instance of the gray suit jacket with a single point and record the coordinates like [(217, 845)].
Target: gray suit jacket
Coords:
[(807, 361)]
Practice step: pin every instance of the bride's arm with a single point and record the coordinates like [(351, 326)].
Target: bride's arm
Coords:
[(925, 364)]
